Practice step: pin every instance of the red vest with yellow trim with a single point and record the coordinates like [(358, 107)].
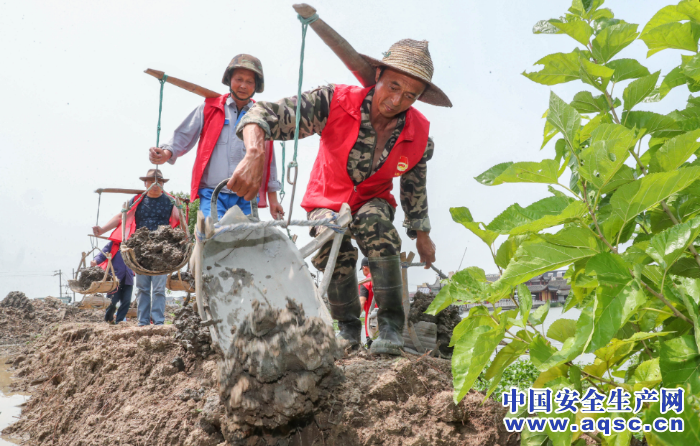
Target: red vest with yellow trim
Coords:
[(214, 118), (330, 185)]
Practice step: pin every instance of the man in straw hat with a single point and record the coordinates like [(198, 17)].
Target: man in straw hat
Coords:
[(151, 210), (219, 151), (368, 137)]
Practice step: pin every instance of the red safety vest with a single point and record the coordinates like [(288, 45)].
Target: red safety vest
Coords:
[(368, 302), (214, 118), (330, 185)]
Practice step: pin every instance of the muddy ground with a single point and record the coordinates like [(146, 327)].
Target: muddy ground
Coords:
[(23, 320), (446, 320), (159, 250), (98, 384)]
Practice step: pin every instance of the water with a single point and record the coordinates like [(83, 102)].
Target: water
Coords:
[(9, 402)]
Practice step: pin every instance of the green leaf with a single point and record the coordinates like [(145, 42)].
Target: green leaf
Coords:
[(487, 178), (564, 118), (594, 74), (680, 363), (616, 305), (549, 132), (623, 176), (466, 286), (634, 198), (686, 267), (691, 427), (691, 67), (594, 124), (558, 69), (562, 329), (585, 102), (507, 250), (667, 246), (524, 301), (665, 15), (681, 36), (639, 89), (572, 346), (574, 236), (505, 357), (627, 69), (676, 151), (546, 171), (579, 30), (515, 215), (540, 314), (607, 152), (536, 258), (691, 9), (673, 79), (472, 352), (528, 438), (610, 269), (647, 374), (690, 293), (464, 217), (573, 212), (649, 121), (612, 40)]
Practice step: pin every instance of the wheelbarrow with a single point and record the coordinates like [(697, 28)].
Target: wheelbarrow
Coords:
[(241, 259)]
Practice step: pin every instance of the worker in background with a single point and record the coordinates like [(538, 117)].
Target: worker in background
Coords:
[(369, 136), (122, 295), (213, 123), (366, 296), (151, 210)]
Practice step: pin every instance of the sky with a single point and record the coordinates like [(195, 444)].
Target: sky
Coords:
[(79, 114)]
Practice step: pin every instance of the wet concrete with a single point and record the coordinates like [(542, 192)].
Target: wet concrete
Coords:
[(9, 402)]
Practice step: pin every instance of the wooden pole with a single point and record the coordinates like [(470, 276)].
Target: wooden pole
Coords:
[(189, 86)]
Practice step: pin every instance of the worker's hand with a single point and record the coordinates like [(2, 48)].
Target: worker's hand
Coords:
[(97, 230), (247, 177), (426, 248), (276, 209), (157, 155), (93, 263)]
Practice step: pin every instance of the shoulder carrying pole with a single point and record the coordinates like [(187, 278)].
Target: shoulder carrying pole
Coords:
[(362, 70)]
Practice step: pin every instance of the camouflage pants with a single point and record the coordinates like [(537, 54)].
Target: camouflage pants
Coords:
[(372, 228)]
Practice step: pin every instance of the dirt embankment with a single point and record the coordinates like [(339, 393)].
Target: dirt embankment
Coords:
[(23, 319), (123, 385), (446, 320), (159, 250)]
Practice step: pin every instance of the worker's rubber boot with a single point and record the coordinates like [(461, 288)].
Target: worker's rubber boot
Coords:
[(344, 300), (388, 293)]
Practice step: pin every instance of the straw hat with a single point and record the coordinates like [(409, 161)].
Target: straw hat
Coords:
[(411, 57), (152, 175)]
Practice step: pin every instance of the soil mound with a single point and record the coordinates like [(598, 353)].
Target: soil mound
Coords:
[(160, 250), (22, 320), (280, 367), (123, 385), (17, 300), (89, 275), (446, 320)]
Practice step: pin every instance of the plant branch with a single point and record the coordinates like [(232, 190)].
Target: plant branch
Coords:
[(595, 220), (675, 221), (666, 302), (574, 193)]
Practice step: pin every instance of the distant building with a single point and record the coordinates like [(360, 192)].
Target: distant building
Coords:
[(550, 286)]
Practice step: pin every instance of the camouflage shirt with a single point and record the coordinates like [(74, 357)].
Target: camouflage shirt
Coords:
[(278, 120)]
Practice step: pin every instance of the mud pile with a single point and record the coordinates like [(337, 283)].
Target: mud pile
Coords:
[(160, 250), (446, 320), (89, 275), (185, 276), (193, 338), (123, 385), (17, 300), (279, 369), (22, 319)]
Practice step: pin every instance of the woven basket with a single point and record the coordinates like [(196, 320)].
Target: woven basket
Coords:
[(178, 284), (108, 284), (104, 286), (129, 257)]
